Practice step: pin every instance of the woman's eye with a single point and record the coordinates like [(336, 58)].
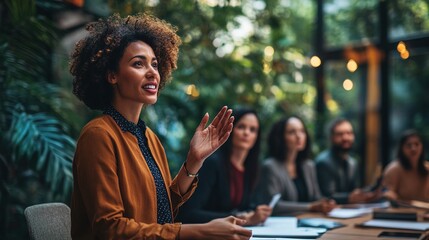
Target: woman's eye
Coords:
[(138, 64), (155, 65), (240, 126)]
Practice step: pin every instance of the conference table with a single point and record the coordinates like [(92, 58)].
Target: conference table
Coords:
[(373, 221), (351, 230)]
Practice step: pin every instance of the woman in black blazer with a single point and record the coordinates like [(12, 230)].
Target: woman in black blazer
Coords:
[(227, 179)]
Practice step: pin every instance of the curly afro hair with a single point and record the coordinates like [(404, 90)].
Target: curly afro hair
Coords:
[(99, 53)]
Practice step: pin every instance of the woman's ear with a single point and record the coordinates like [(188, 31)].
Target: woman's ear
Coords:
[(111, 78)]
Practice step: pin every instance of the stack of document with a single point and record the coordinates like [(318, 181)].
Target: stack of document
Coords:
[(284, 227), (348, 213), (356, 210), (407, 225)]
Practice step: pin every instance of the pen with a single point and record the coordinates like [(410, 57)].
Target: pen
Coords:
[(424, 236)]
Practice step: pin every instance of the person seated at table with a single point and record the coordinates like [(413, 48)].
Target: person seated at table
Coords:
[(122, 187), (337, 170), (227, 178), (290, 171), (407, 177)]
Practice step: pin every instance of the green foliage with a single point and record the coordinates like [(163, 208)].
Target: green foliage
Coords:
[(36, 150), (410, 110), (39, 137), (351, 21), (223, 60), (31, 104), (357, 21), (236, 53)]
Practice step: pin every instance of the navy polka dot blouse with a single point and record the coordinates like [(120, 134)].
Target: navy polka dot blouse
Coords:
[(163, 204)]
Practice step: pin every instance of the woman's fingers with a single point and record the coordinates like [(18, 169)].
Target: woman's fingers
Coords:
[(244, 233), (226, 131), (224, 119), (203, 122), (236, 220), (219, 115)]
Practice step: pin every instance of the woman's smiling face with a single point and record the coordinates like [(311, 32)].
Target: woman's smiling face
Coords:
[(137, 79)]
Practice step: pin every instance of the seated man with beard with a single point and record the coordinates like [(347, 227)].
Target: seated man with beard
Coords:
[(337, 171)]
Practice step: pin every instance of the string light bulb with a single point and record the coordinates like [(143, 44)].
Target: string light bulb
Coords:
[(352, 65), (315, 61)]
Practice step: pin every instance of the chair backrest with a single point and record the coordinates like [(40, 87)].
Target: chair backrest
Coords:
[(48, 221)]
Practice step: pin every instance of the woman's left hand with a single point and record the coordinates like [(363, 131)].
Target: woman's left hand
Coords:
[(253, 218), (207, 139)]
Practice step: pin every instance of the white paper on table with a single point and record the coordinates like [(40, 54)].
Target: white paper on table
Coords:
[(287, 223), (408, 225), (356, 210), (284, 228), (384, 204), (259, 238), (267, 232), (348, 213), (283, 222)]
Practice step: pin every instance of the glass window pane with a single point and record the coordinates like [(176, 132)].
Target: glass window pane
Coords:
[(348, 22), (409, 93), (408, 18), (343, 90)]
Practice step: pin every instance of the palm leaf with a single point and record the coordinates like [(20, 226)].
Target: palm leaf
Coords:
[(39, 136), (20, 9)]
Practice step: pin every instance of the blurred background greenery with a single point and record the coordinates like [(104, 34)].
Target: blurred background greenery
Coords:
[(252, 53)]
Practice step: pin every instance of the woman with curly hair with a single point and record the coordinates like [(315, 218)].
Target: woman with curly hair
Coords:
[(407, 177), (122, 184)]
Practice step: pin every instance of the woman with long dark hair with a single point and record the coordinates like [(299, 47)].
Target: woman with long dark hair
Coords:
[(407, 177), (228, 178), (290, 171)]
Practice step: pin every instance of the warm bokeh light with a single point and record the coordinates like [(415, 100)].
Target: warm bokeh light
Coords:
[(405, 54), (269, 51), (78, 3), (309, 96), (331, 105), (315, 61), (267, 68), (352, 65), (348, 84), (401, 47), (210, 3), (192, 91), (277, 92), (257, 87)]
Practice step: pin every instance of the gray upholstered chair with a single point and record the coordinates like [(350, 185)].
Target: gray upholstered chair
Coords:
[(48, 221)]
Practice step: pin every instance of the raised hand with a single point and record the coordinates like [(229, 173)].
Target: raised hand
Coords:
[(207, 139)]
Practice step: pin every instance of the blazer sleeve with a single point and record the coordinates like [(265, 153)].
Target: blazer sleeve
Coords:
[(96, 173), (325, 176), (271, 183), (194, 210)]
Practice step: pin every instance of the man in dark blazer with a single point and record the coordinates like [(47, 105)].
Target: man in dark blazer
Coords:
[(337, 171)]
